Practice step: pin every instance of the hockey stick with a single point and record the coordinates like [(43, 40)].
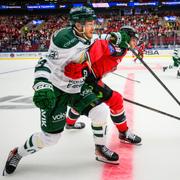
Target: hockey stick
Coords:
[(126, 77), (152, 72), (152, 109)]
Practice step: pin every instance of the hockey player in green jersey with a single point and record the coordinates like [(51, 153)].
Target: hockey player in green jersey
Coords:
[(54, 91), (176, 60)]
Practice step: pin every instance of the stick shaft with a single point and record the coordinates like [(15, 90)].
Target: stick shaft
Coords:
[(152, 109), (125, 77), (156, 77)]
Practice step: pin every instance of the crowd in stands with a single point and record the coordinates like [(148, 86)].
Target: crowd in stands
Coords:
[(19, 33), (152, 28)]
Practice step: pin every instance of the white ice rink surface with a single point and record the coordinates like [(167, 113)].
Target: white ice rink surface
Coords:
[(158, 158)]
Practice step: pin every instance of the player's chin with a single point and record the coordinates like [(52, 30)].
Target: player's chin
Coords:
[(89, 35)]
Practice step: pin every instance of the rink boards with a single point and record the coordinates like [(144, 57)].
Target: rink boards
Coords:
[(151, 53)]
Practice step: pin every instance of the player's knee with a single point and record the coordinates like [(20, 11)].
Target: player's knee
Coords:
[(99, 114)]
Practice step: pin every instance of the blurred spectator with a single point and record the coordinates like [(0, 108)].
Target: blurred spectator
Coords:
[(18, 33)]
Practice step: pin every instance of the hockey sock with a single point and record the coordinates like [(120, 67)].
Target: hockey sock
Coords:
[(30, 146), (72, 117), (118, 117), (38, 141), (99, 134), (120, 121), (98, 115)]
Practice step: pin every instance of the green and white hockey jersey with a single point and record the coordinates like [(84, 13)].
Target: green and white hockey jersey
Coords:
[(176, 57), (65, 47), (176, 53)]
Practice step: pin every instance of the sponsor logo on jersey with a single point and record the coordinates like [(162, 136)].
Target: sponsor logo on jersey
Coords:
[(59, 117), (111, 49), (70, 42), (53, 55), (43, 118), (86, 92), (75, 84)]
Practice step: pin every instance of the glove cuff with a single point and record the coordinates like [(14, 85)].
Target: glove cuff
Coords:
[(118, 37), (42, 85)]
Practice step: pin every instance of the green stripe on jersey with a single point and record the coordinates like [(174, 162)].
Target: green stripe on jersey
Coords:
[(42, 69)]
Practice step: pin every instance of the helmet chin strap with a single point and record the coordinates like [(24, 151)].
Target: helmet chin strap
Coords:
[(81, 32)]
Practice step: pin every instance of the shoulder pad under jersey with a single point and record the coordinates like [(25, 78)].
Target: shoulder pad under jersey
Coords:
[(65, 38)]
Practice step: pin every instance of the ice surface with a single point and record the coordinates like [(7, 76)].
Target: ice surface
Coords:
[(73, 157)]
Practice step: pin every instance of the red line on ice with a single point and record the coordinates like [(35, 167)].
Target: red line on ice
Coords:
[(123, 171)]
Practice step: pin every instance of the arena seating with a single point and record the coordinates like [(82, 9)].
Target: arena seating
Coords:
[(18, 33)]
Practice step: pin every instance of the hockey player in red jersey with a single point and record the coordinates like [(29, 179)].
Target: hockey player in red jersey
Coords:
[(103, 57)]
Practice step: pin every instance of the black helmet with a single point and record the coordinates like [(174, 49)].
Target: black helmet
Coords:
[(130, 31), (81, 14)]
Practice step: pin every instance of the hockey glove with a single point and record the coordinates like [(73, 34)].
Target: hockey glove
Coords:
[(120, 39), (44, 97)]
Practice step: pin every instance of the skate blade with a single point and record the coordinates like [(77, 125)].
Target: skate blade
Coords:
[(127, 142), (101, 159)]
